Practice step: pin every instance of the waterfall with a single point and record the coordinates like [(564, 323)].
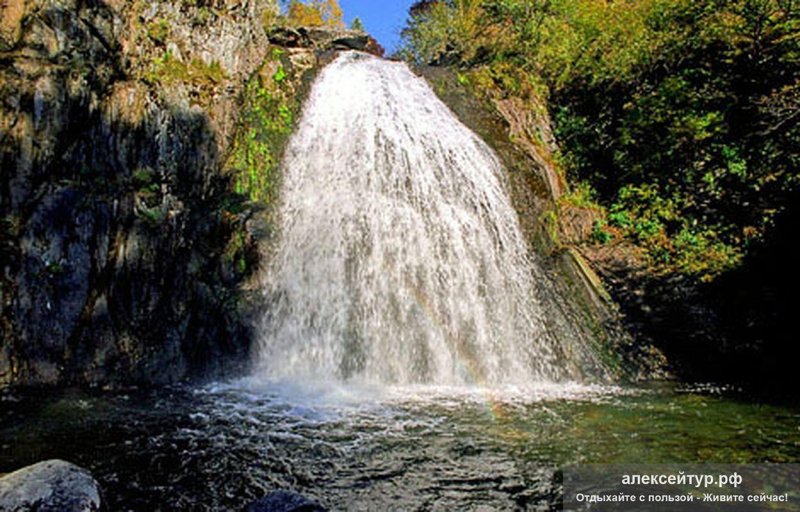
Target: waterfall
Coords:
[(400, 258)]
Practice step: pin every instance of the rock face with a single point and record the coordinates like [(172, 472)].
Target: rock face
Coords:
[(50, 486), (324, 38), (112, 189), (124, 242)]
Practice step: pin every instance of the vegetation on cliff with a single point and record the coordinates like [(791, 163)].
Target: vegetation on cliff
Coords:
[(315, 13), (677, 118), (270, 107)]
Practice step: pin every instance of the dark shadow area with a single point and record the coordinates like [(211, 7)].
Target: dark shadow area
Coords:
[(757, 306), (118, 264), (737, 329)]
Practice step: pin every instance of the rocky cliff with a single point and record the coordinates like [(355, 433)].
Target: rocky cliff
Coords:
[(136, 141)]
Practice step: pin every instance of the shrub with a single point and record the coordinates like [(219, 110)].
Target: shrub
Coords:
[(315, 13), (679, 114)]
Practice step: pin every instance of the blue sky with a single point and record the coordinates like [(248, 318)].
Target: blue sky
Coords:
[(384, 19)]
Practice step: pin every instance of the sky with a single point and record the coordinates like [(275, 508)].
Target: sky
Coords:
[(384, 19)]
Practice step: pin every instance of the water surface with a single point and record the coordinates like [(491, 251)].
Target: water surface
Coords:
[(368, 448)]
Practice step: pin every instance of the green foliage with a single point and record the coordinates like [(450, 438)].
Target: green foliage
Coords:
[(233, 204), (153, 216), (158, 31), (143, 177), (600, 234), (446, 29), (582, 196), (357, 24), (550, 221), (680, 114), (674, 241), (269, 112), (167, 69), (236, 251), (147, 190)]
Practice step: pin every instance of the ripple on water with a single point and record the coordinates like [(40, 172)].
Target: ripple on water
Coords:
[(363, 447)]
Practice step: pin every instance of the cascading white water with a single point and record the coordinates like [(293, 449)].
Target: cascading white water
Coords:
[(400, 258)]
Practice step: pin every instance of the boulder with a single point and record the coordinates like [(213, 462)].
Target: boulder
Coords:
[(284, 501), (337, 39), (288, 38), (50, 486), (321, 38), (352, 41)]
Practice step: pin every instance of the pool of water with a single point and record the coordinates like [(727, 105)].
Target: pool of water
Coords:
[(221, 446)]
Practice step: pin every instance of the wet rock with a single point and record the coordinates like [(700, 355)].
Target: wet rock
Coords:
[(284, 501), (50, 486), (54, 275)]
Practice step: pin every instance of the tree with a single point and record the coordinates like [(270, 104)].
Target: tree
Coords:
[(357, 24), (316, 13)]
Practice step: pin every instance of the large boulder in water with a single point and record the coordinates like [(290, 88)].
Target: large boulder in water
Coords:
[(284, 501), (50, 486)]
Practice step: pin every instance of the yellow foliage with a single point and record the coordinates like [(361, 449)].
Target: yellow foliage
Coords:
[(315, 13), (270, 15)]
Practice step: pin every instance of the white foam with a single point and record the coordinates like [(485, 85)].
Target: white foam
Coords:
[(400, 258)]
